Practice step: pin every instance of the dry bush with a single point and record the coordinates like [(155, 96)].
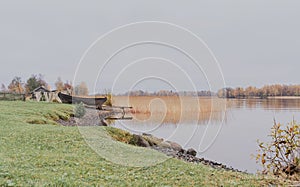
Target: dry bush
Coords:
[(282, 154)]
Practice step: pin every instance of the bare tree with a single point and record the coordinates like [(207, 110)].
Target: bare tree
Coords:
[(59, 84), (81, 89), (3, 88), (16, 85)]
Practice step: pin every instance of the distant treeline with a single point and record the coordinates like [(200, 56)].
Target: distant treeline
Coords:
[(18, 86), (169, 93), (264, 92)]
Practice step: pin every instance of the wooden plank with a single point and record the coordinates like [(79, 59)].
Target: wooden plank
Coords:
[(122, 118)]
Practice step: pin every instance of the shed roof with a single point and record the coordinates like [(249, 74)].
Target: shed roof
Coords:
[(42, 89)]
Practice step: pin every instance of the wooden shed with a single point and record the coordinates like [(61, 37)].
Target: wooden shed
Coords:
[(43, 94)]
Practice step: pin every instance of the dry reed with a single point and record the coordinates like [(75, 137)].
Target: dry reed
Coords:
[(173, 109)]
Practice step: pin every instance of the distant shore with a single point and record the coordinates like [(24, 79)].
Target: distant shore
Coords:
[(269, 97), (284, 97)]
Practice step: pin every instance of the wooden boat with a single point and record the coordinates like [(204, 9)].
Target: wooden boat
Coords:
[(93, 101)]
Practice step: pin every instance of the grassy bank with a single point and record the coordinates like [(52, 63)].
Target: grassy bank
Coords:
[(35, 150)]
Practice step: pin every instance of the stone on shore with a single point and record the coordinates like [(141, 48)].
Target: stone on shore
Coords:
[(152, 140), (175, 146), (140, 141), (192, 152)]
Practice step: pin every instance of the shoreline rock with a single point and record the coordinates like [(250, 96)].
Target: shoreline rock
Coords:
[(174, 150)]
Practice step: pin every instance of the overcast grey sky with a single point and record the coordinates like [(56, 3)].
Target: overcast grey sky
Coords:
[(256, 42)]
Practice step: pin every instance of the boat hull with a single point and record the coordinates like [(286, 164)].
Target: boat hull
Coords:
[(96, 101)]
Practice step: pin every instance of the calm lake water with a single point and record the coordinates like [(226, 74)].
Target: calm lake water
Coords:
[(230, 139)]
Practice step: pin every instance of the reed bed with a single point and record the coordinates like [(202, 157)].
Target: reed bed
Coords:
[(173, 109)]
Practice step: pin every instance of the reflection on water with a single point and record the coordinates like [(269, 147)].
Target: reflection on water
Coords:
[(225, 136), (185, 117), (267, 104)]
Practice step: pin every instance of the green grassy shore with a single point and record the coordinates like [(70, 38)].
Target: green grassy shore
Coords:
[(36, 151)]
